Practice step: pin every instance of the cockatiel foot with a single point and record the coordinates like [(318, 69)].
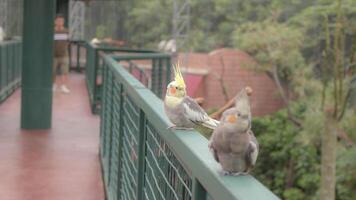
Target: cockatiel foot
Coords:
[(180, 128), (171, 127), (226, 173), (240, 174)]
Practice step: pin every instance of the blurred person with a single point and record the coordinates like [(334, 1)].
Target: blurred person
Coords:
[(2, 34), (60, 54)]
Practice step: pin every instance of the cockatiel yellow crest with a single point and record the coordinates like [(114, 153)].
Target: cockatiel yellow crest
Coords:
[(178, 77)]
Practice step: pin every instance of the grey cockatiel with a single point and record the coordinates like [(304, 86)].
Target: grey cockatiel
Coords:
[(183, 111), (233, 144)]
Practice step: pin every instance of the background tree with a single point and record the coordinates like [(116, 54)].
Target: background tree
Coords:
[(289, 42), (276, 48), (334, 110)]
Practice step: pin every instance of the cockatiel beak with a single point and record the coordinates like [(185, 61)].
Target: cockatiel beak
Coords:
[(231, 119)]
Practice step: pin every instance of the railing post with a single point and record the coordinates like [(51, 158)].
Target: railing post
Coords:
[(78, 56), (199, 192), (168, 70), (110, 125), (154, 76), (70, 55), (159, 74), (121, 139), (103, 110), (94, 86), (2, 72), (141, 156)]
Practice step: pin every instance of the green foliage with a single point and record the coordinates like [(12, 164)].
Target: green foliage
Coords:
[(290, 167), (148, 23), (286, 166), (346, 173), (285, 35), (100, 31), (272, 45)]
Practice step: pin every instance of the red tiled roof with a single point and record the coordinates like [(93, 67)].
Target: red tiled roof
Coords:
[(265, 98)]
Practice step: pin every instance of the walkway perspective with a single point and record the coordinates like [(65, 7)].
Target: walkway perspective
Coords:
[(61, 163)]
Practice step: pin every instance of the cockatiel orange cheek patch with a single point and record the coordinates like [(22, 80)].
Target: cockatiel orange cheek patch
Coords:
[(172, 90), (231, 118)]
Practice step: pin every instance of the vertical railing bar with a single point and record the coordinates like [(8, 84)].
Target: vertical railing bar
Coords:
[(69, 49), (121, 138), (199, 192), (88, 69), (130, 67), (103, 109), (6, 66), (168, 71), (9, 65), (111, 125), (13, 67), (85, 53), (94, 77), (15, 64), (141, 156), (153, 76), (78, 56), (159, 88), (140, 76), (1, 71), (20, 68)]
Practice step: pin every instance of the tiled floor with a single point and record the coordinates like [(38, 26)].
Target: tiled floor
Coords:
[(57, 164)]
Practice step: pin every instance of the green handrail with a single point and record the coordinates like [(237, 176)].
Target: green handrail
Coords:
[(10, 67), (142, 159), (160, 64)]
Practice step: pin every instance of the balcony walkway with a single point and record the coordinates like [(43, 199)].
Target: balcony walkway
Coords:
[(58, 164)]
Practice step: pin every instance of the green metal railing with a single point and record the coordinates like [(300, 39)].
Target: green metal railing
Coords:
[(160, 70), (160, 63), (142, 159), (10, 67), (76, 45)]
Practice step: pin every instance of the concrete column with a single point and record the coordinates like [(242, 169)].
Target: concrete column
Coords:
[(38, 28)]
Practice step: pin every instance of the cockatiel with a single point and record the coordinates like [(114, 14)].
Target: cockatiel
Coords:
[(233, 144), (183, 111)]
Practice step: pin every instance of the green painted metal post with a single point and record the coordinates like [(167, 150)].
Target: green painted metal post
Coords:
[(159, 77), (70, 55), (94, 83), (36, 102), (199, 192), (154, 76), (121, 139), (168, 71), (141, 156), (78, 56)]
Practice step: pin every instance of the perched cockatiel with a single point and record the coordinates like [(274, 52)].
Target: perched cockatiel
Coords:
[(233, 144), (183, 111)]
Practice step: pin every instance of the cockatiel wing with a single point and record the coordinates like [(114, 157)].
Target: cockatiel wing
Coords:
[(213, 150), (252, 151), (196, 114)]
